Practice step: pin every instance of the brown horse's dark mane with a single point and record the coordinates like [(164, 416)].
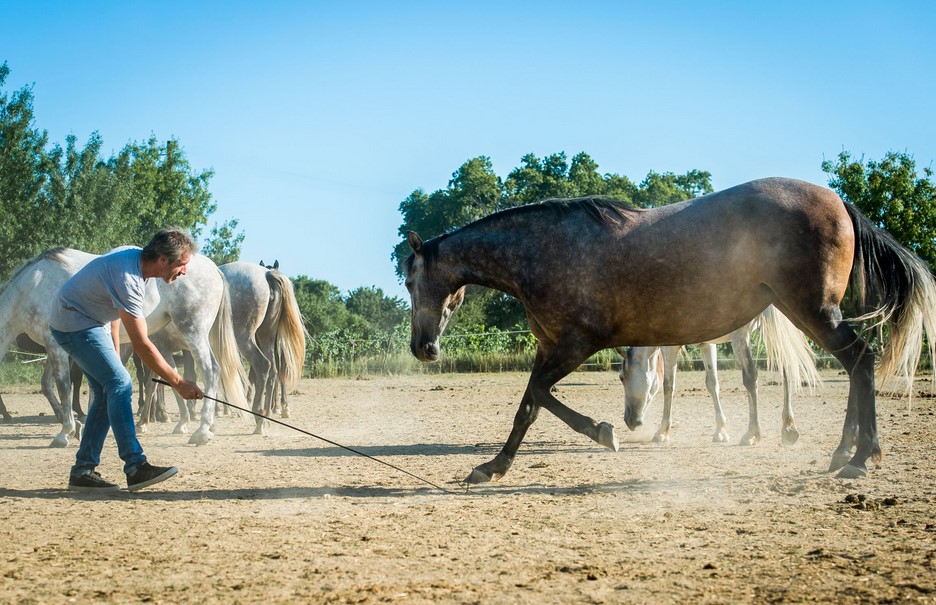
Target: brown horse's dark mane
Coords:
[(602, 209)]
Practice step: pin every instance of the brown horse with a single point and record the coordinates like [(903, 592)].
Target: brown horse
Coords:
[(581, 270)]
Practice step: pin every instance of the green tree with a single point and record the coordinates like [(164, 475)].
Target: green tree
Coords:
[(321, 305), (165, 190), (224, 245), (70, 196), (379, 311), (537, 179), (23, 169), (584, 178), (892, 195), (660, 189), (473, 191)]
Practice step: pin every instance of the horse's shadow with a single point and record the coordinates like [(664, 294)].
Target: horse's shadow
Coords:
[(451, 488), (428, 449)]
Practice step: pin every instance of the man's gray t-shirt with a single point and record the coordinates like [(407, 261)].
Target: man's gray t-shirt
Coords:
[(92, 297)]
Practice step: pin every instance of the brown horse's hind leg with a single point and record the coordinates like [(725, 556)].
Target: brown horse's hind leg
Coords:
[(860, 427), (548, 369)]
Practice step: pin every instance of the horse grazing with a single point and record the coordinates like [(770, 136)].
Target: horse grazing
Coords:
[(786, 348), (269, 332), (594, 274)]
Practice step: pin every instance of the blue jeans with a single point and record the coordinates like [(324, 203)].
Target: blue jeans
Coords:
[(111, 398)]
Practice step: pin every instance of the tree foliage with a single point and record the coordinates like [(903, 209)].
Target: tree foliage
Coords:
[(24, 168), (223, 244), (892, 195), (321, 304), (378, 310), (71, 196)]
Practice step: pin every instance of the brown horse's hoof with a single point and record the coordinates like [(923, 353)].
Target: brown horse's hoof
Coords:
[(606, 436), (839, 459), (478, 476), (850, 471)]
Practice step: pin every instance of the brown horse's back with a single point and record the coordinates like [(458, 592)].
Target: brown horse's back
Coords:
[(714, 262)]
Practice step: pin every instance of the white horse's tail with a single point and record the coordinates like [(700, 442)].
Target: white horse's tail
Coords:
[(788, 350), (233, 376), (290, 339)]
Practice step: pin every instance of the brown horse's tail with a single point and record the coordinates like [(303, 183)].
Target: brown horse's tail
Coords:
[(290, 333), (892, 288)]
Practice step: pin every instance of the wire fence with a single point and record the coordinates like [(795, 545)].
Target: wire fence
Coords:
[(346, 353)]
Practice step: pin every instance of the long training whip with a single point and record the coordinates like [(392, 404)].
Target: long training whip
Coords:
[(329, 441)]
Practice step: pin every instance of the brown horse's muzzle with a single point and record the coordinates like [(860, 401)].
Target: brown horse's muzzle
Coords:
[(425, 351)]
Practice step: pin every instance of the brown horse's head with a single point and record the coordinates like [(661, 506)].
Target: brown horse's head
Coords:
[(639, 375), (434, 296)]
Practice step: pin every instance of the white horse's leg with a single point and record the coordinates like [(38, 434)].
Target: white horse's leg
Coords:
[(710, 362), (741, 344), (284, 402), (260, 372), (47, 386), (211, 374), (788, 433), (57, 366), (670, 355)]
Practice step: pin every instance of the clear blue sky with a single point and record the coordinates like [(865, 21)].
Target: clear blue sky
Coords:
[(319, 118)]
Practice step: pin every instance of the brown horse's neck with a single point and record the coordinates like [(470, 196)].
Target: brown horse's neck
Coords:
[(481, 260)]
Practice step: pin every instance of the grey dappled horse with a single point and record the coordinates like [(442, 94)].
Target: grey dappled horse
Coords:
[(594, 274)]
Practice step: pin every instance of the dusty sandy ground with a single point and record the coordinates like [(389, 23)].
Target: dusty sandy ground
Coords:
[(287, 518)]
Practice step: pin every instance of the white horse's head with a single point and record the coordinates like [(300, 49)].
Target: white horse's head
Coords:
[(640, 375)]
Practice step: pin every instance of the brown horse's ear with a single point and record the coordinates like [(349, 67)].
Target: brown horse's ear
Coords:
[(414, 242)]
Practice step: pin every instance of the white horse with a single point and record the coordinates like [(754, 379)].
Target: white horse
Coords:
[(25, 301), (194, 313), (269, 331), (787, 350), (196, 309)]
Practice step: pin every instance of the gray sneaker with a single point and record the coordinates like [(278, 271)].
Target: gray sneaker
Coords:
[(91, 483), (146, 475)]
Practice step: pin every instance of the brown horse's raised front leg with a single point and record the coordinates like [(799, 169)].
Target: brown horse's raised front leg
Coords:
[(548, 369)]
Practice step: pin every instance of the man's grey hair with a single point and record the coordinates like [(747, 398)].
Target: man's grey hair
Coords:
[(171, 242)]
